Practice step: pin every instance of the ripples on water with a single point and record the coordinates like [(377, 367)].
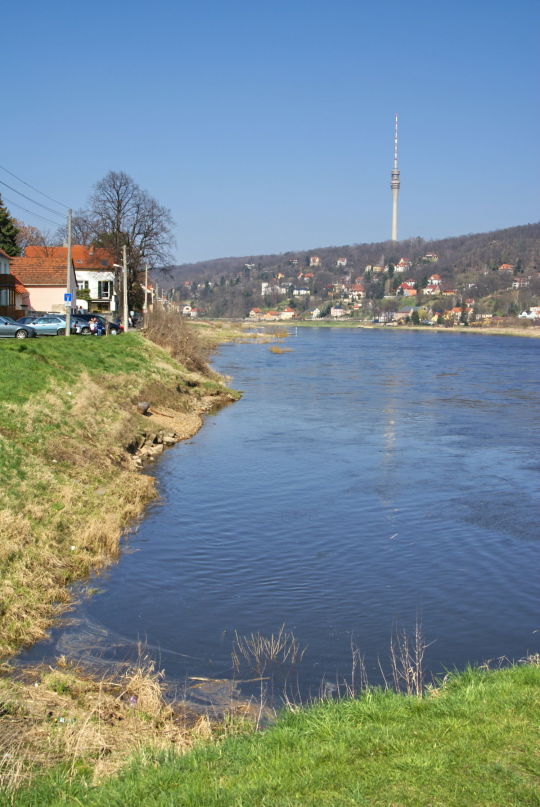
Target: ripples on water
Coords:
[(363, 478)]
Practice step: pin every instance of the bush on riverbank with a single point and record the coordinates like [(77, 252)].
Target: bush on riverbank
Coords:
[(169, 330), (471, 741)]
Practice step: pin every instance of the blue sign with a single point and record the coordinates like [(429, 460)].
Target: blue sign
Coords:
[(68, 298)]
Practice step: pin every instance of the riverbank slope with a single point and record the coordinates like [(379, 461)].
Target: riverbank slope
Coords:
[(471, 741), (72, 444)]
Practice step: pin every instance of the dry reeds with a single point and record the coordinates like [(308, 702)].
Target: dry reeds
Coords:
[(169, 330), (406, 660), (259, 652), (278, 349)]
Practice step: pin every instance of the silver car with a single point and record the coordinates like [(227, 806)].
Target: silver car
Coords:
[(10, 327), (50, 325)]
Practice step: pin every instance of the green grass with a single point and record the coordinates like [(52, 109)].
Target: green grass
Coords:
[(30, 367), (473, 743)]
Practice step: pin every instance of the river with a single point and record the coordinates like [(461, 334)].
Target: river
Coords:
[(366, 478)]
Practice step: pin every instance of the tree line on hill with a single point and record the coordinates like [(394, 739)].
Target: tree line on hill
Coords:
[(469, 264)]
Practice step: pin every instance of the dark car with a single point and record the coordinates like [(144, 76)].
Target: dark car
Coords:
[(115, 327), (106, 326), (10, 327)]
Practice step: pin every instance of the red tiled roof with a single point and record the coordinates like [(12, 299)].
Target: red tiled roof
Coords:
[(19, 288), (39, 271), (83, 257)]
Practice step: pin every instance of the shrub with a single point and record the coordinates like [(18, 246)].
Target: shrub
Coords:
[(169, 330)]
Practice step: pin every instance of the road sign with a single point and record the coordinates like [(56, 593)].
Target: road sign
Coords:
[(68, 298)]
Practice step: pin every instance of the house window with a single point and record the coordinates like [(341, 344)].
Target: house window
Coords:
[(104, 289), (6, 297), (82, 284)]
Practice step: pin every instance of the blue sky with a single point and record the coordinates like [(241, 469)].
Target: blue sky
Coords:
[(267, 127)]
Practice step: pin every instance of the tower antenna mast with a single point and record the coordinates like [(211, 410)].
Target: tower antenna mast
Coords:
[(395, 184)]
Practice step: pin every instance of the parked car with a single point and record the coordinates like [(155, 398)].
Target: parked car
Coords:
[(115, 327), (26, 320), (9, 327), (109, 326), (51, 325)]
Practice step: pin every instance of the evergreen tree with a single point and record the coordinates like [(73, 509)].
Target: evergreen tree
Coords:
[(8, 232)]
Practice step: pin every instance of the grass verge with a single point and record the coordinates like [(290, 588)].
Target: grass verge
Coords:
[(471, 742)]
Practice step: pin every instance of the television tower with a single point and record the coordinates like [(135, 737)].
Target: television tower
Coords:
[(395, 182)]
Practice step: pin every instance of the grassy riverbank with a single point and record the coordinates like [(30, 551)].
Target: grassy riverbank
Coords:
[(530, 331), (471, 742), (69, 430)]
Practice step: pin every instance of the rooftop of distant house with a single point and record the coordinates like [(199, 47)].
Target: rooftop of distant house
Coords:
[(82, 257), (39, 271)]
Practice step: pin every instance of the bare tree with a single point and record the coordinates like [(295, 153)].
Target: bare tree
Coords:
[(29, 236), (121, 213), (82, 230)]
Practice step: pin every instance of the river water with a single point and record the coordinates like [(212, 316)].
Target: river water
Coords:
[(366, 477)]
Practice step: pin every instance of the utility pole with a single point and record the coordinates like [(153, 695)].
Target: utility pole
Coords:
[(145, 306), (124, 289), (68, 279)]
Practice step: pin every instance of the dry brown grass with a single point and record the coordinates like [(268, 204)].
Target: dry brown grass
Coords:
[(80, 490), (169, 330), (64, 716), (277, 349)]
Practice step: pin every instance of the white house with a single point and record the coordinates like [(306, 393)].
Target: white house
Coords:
[(403, 265), (266, 289)]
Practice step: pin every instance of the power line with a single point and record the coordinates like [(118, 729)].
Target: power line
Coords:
[(34, 201), (32, 213), (50, 198)]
